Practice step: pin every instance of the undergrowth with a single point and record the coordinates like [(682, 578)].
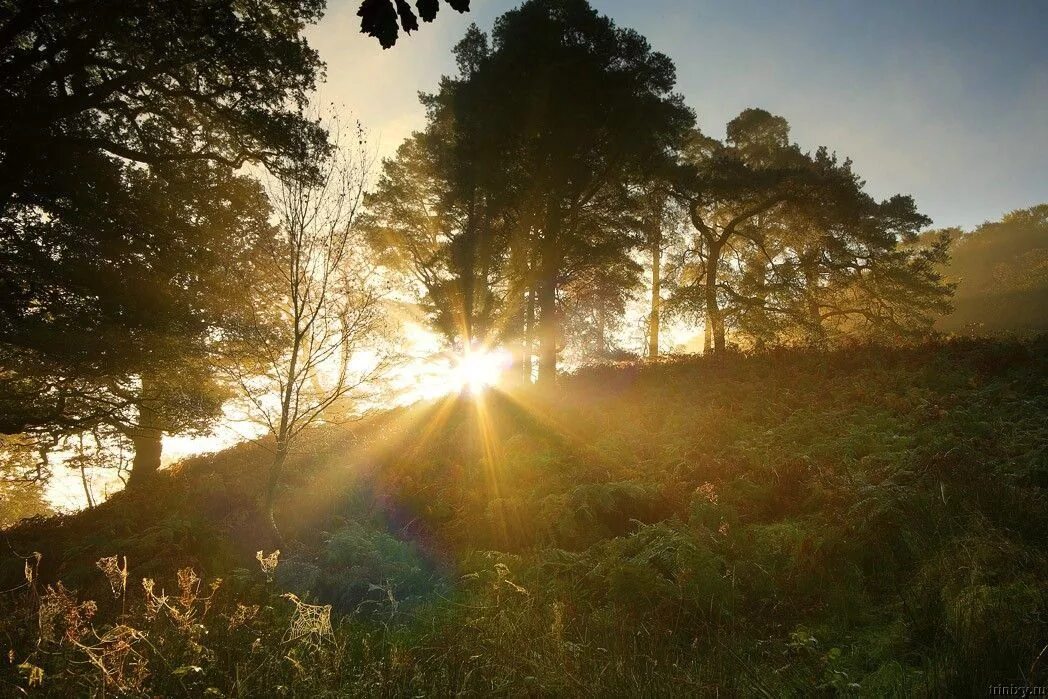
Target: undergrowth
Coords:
[(798, 523)]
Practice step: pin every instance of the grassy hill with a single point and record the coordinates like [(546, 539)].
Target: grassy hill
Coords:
[(872, 521)]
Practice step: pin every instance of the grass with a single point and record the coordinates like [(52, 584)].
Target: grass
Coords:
[(869, 521)]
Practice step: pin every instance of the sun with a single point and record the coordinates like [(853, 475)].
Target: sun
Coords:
[(477, 370)]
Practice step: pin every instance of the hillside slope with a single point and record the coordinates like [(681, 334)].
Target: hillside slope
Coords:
[(865, 520)]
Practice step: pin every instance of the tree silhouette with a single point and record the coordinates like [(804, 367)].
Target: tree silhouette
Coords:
[(529, 178), (441, 211), (567, 138)]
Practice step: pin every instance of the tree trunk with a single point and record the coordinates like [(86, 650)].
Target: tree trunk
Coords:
[(87, 488), (714, 317), (656, 292), (547, 298), (276, 469), (146, 437), (602, 332), (547, 302), (529, 336), (816, 331), (88, 497)]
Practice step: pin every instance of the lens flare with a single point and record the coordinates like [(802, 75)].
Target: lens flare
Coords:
[(479, 369)]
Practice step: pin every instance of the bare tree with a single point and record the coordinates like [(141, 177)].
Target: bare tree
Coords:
[(311, 355)]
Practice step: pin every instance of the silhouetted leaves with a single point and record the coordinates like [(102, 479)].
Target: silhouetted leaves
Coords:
[(427, 9), (408, 20), (379, 18)]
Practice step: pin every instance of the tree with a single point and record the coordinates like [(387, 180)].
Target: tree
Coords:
[(655, 243), (593, 306), (119, 127), (727, 187), (111, 317), (383, 19), (793, 250), (663, 221), (441, 237), (407, 225), (440, 212), (575, 134), (300, 359), (529, 178), (836, 264)]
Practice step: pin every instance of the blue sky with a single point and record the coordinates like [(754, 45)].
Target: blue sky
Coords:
[(947, 101)]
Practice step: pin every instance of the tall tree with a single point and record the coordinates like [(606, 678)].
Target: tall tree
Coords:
[(577, 132), (835, 264), (119, 127), (662, 222), (438, 211), (794, 250)]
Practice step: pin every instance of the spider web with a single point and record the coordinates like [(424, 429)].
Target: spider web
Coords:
[(311, 623)]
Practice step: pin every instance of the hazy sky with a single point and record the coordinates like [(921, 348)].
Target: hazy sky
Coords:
[(945, 100)]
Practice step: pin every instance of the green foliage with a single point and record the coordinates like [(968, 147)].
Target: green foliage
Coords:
[(367, 568), (789, 248)]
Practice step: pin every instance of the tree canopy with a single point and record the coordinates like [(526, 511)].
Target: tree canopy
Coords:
[(153, 82), (790, 248)]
